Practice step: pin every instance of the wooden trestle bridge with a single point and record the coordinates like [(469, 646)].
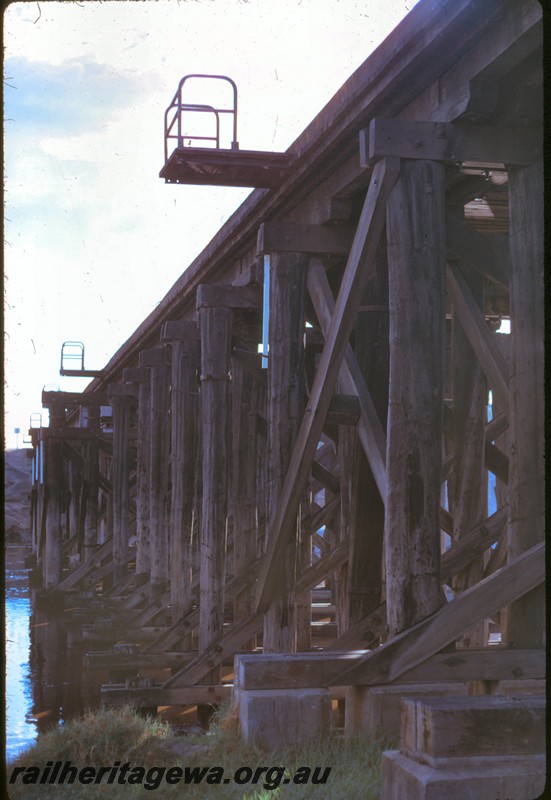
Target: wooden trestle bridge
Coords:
[(352, 486)]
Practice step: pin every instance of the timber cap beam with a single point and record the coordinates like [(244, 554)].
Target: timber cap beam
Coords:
[(175, 329), (219, 295), (157, 357), (289, 237), (134, 375), (449, 142), (73, 398)]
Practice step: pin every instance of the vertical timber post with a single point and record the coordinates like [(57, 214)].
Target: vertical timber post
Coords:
[(157, 360), (140, 376), (91, 483), (243, 477), (183, 409), (527, 473), (120, 401), (215, 327), (417, 263), (286, 402), (54, 499), (467, 491)]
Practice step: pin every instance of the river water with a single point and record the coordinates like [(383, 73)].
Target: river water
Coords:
[(45, 681)]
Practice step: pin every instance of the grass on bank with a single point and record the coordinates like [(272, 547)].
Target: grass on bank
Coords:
[(108, 735)]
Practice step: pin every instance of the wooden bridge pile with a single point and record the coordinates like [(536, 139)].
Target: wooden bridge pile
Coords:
[(340, 496)]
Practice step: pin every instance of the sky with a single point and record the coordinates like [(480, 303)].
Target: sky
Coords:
[(93, 238)]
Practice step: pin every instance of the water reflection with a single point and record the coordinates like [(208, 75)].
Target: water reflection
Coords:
[(20, 732), (45, 682)]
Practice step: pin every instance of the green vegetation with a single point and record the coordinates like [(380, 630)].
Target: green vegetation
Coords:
[(107, 736)]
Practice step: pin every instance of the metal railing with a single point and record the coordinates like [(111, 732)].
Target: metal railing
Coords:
[(173, 121)]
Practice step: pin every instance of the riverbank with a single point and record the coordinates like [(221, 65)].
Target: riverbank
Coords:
[(217, 765)]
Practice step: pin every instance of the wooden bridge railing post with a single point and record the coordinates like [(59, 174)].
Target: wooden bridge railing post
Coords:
[(417, 270)]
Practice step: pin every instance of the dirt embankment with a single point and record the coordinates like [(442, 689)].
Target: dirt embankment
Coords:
[(17, 496)]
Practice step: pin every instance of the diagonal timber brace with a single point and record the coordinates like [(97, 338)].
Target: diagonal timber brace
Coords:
[(412, 647), (480, 336), (358, 269)]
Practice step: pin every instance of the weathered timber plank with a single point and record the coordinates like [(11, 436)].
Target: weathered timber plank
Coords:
[(370, 430), (477, 251), (412, 647), (289, 237), (448, 142), (480, 336)]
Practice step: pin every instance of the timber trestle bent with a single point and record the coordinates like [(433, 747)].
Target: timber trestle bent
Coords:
[(323, 451)]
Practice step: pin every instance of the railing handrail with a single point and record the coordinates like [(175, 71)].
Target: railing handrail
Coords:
[(180, 107)]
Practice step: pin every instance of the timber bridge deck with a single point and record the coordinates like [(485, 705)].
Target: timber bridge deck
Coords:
[(349, 493)]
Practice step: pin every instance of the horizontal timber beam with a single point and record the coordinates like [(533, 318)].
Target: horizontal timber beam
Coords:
[(290, 237), (179, 329), (119, 695), (313, 670), (219, 295), (449, 142)]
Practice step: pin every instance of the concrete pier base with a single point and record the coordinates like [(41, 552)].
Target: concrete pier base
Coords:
[(370, 708), (468, 748), (275, 717), (506, 778)]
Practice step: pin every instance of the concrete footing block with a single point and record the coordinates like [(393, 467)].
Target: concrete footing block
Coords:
[(272, 718), (507, 778), (370, 708)]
